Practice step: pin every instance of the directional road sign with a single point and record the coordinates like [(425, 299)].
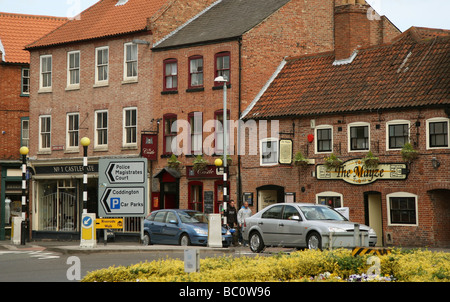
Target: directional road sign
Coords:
[(122, 187), (109, 223), (120, 201), (126, 172)]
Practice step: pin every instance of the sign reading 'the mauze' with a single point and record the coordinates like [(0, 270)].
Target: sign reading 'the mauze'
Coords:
[(355, 172)]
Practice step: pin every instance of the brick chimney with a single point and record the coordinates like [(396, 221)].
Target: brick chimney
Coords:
[(352, 27)]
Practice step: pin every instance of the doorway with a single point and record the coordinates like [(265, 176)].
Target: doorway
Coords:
[(373, 214), (195, 189), (268, 195)]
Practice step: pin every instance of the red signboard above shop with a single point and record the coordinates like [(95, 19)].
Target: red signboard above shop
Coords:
[(209, 172)]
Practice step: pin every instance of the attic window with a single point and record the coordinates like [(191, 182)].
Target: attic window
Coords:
[(121, 2)]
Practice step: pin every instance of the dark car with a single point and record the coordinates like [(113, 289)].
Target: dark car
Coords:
[(181, 227)]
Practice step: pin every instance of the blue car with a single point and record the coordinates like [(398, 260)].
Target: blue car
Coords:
[(181, 227)]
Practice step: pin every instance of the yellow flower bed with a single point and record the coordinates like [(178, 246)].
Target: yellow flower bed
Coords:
[(309, 265)]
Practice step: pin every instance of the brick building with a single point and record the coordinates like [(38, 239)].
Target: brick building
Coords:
[(349, 102), (244, 40), (91, 77), (16, 31)]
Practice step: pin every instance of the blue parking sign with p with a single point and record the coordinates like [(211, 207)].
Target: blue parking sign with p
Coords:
[(115, 203)]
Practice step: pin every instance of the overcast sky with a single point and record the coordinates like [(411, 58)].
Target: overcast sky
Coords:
[(403, 13)]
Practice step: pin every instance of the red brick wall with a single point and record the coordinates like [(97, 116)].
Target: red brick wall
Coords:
[(355, 29), (432, 186), (12, 108), (87, 99), (297, 28)]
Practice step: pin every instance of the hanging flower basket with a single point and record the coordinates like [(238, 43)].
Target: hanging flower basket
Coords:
[(173, 162), (300, 160), (370, 161), (332, 161), (408, 152), (200, 163)]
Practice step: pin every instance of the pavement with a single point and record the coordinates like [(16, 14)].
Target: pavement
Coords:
[(73, 247)]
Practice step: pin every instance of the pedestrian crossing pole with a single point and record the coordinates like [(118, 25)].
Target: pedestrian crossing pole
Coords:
[(224, 80), (23, 226), (85, 142)]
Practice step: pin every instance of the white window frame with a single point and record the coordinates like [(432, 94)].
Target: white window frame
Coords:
[(69, 78), (265, 140), (322, 127), (401, 194), (127, 78), (357, 124), (43, 88), (74, 147), (97, 145), (25, 132), (196, 132), (23, 85), (437, 120), (392, 123), (97, 66), (41, 133), (124, 138)]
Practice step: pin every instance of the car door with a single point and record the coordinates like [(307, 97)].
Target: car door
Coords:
[(291, 230), (268, 223), (170, 231), (155, 227)]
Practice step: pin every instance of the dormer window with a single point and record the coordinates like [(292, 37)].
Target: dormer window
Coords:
[(121, 2)]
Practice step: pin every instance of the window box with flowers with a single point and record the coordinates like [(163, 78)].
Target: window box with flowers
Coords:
[(332, 161)]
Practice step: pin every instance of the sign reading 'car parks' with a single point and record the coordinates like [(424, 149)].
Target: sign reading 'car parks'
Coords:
[(122, 187)]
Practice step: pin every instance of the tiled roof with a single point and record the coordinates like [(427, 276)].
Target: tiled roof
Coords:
[(103, 19), (18, 30), (412, 71), (225, 19)]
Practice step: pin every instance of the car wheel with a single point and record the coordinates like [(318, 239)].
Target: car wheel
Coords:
[(146, 239), (184, 240), (314, 241), (256, 242)]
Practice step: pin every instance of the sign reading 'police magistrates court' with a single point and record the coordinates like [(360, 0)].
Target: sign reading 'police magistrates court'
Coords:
[(122, 187)]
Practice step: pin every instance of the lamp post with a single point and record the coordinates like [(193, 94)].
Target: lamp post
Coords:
[(224, 80), (24, 224), (85, 142)]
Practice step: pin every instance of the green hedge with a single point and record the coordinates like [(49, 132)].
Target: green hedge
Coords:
[(309, 265)]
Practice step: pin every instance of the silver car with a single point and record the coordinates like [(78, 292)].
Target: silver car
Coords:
[(304, 225)]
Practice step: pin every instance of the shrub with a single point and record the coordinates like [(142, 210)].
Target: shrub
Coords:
[(309, 266)]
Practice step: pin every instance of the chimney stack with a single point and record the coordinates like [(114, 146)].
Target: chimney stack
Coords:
[(352, 27)]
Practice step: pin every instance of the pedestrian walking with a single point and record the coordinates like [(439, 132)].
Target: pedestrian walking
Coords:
[(232, 222), (243, 213)]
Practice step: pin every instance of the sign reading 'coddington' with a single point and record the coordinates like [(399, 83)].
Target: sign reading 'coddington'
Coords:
[(355, 172)]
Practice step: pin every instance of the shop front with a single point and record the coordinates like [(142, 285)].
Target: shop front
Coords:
[(10, 196), (200, 190), (57, 199)]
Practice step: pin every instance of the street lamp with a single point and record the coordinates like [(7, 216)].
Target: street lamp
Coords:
[(224, 80), (85, 142), (23, 225)]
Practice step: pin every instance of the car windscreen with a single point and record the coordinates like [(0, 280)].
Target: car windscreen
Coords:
[(321, 213), (193, 217)]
